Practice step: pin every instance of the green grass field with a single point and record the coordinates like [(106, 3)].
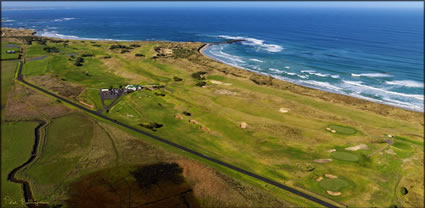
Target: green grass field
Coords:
[(16, 143), (6, 47), (8, 69), (280, 146)]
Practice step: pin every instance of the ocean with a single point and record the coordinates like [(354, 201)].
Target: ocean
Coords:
[(374, 54)]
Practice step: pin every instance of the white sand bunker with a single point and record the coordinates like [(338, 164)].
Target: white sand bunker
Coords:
[(243, 125), (358, 147), (320, 178), (333, 193), (283, 110), (322, 160), (225, 92), (332, 150), (330, 176), (220, 83)]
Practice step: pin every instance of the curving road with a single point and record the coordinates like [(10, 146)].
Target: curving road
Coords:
[(245, 172)]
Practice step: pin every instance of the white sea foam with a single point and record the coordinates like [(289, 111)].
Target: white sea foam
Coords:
[(335, 76), (64, 19), (371, 75), (53, 34), (303, 76), (226, 56), (383, 92), (322, 84), (257, 60), (406, 83), (8, 20), (290, 73), (276, 70), (315, 73), (255, 42), (287, 67)]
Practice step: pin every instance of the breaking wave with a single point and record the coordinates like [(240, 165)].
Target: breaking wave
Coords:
[(406, 83), (371, 75), (273, 48)]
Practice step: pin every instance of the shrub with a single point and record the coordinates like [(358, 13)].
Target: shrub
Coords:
[(201, 84), (177, 79), (135, 45), (51, 49), (125, 51), (186, 113), (199, 75), (404, 190), (107, 57), (87, 55), (139, 54)]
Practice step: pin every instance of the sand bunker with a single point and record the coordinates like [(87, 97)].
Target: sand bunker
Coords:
[(333, 193), (332, 150), (225, 92), (358, 147), (330, 176), (283, 110), (322, 160), (319, 178), (220, 83), (243, 125)]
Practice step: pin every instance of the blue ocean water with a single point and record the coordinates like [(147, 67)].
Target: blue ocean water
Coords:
[(374, 54)]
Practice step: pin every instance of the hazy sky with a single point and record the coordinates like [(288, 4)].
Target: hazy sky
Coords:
[(389, 4)]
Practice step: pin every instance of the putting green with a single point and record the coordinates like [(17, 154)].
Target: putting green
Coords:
[(343, 129), (335, 184), (346, 156)]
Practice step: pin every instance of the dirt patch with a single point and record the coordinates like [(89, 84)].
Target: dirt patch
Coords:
[(332, 150), (320, 178), (358, 147), (243, 125), (179, 116)]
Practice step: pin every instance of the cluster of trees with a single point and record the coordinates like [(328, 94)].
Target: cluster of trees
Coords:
[(51, 49), (87, 55), (119, 46), (152, 126)]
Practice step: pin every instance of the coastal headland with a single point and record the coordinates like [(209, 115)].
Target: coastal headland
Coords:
[(316, 142)]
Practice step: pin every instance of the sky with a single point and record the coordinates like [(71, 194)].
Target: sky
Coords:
[(333, 4)]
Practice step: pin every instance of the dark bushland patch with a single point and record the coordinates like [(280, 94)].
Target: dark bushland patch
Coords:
[(107, 57), (150, 175), (140, 55), (155, 185)]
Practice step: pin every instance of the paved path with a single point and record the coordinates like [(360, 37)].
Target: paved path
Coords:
[(219, 162)]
